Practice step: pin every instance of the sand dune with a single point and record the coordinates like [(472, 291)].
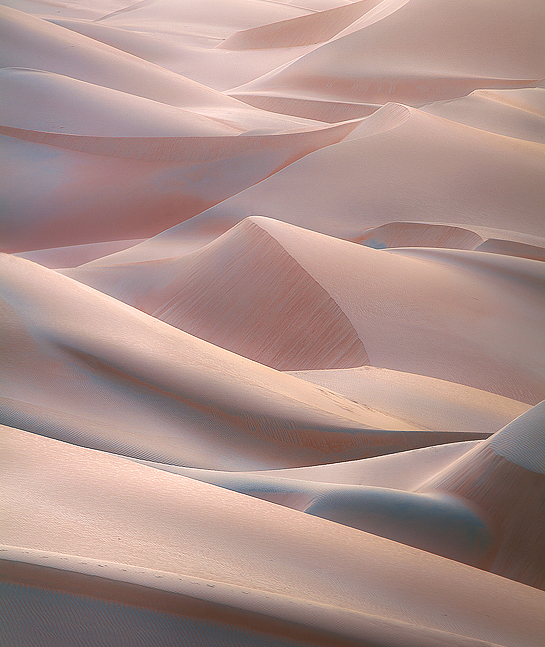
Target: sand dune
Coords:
[(426, 169), (272, 310), (418, 234), (210, 18), (432, 338), (93, 110), (229, 530), (271, 281), (107, 380), (476, 526), (515, 113), (94, 189), (72, 256), (425, 51), (303, 30)]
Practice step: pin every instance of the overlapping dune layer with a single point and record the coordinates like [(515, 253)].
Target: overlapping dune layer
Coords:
[(272, 323)]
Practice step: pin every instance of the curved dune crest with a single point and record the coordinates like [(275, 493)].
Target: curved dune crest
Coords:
[(43, 101), (504, 478), (146, 375), (512, 248), (272, 311), (404, 585), (74, 255), (427, 50), (304, 30), (418, 234), (93, 189)]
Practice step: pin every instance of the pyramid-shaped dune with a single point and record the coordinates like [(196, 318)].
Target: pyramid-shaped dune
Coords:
[(272, 323), (273, 311)]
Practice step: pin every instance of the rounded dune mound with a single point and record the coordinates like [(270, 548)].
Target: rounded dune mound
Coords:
[(504, 479), (44, 101), (85, 368), (272, 310), (303, 30), (426, 50), (208, 539), (514, 113), (432, 403), (419, 234)]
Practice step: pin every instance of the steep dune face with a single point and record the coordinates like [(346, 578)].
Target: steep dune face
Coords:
[(88, 369), (426, 169), (425, 51), (271, 281), (196, 530), (504, 478), (272, 311)]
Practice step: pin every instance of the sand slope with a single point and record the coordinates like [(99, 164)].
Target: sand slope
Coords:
[(85, 368), (220, 532), (425, 51), (272, 310), (426, 169)]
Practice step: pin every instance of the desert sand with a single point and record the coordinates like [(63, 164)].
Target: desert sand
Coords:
[(272, 323)]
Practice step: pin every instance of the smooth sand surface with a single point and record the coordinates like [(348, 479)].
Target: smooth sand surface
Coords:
[(427, 50), (213, 534), (433, 338), (426, 169), (107, 379), (271, 280)]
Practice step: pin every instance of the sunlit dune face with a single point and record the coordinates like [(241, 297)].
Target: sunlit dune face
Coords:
[(272, 324)]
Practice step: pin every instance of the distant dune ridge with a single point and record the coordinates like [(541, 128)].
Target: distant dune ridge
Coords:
[(272, 323)]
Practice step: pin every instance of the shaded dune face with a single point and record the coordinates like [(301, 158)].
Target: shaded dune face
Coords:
[(303, 30), (486, 509), (110, 373), (504, 478), (438, 524), (415, 234), (271, 309)]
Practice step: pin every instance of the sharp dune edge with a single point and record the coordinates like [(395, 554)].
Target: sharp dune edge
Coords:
[(272, 323)]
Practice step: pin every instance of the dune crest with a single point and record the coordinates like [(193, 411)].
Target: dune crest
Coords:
[(272, 310)]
